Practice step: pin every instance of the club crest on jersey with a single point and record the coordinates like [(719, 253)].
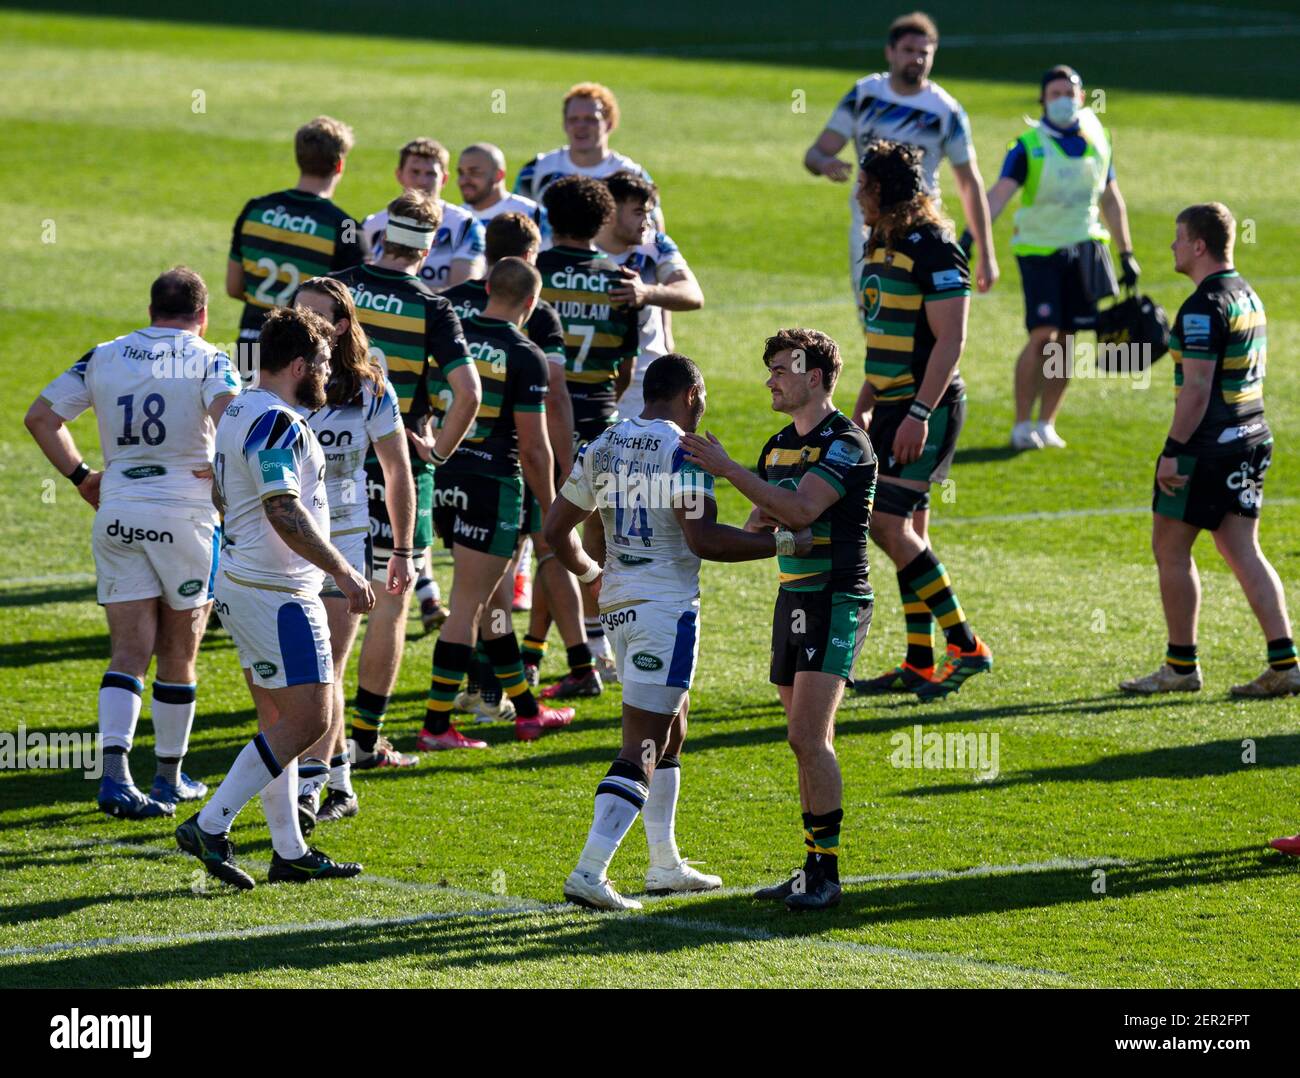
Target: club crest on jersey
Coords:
[(871, 296)]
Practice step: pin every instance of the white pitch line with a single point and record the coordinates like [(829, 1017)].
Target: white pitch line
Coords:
[(532, 906), (256, 931), (1027, 868)]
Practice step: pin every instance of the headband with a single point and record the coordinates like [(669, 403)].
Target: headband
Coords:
[(409, 232)]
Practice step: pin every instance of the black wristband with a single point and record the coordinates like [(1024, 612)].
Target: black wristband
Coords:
[(79, 473), (403, 552), (437, 459), (920, 410), (1173, 449)]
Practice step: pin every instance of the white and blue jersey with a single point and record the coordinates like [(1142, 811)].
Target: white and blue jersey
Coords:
[(931, 120), (150, 391), (515, 204), (634, 474), (265, 448), (345, 432), (656, 261), (544, 169), (460, 238)]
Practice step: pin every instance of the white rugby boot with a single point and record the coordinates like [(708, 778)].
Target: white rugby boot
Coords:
[(583, 889), (1166, 679), (1270, 683), (681, 878)]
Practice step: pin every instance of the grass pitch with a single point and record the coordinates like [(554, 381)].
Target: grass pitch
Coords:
[(1123, 840)]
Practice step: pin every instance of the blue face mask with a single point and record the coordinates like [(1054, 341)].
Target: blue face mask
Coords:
[(1062, 111)]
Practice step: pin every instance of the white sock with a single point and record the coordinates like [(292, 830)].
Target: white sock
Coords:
[(1024, 427), (426, 587), (526, 559), (249, 774), (280, 806), (173, 718), (341, 774), (119, 709), (596, 639), (312, 773), (660, 816), (614, 816)]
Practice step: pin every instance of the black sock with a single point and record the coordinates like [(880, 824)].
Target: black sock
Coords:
[(450, 663), (1182, 658), (509, 670), (1281, 653), (822, 840), (368, 710), (580, 661)]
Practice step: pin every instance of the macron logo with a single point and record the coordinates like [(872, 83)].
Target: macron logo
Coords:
[(118, 1031)]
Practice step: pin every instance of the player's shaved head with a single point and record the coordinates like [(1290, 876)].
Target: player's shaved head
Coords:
[(488, 150), (511, 235), (512, 282), (178, 293), (669, 376)]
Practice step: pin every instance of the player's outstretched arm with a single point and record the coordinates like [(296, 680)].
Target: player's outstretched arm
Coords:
[(52, 435), (712, 541), (796, 509), (820, 158), (294, 525)]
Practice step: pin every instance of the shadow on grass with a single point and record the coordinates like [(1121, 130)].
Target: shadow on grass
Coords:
[(1212, 758), (471, 943), (29, 596)]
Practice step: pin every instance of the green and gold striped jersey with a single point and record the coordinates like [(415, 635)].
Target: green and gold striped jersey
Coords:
[(284, 238), (543, 326), (896, 285), (838, 452), (413, 333), (1223, 322), (598, 335), (513, 372)]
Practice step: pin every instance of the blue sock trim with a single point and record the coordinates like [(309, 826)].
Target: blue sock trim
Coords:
[(173, 692), (268, 757), (114, 680)]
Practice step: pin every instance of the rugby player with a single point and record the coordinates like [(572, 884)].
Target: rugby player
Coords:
[(819, 473), (1210, 475), (657, 279), (512, 235), (285, 237), (269, 483), (915, 300), (590, 116), (456, 253), (658, 524), (157, 394), (416, 337), (481, 177), (905, 106), (360, 414), (601, 341), (478, 506)]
